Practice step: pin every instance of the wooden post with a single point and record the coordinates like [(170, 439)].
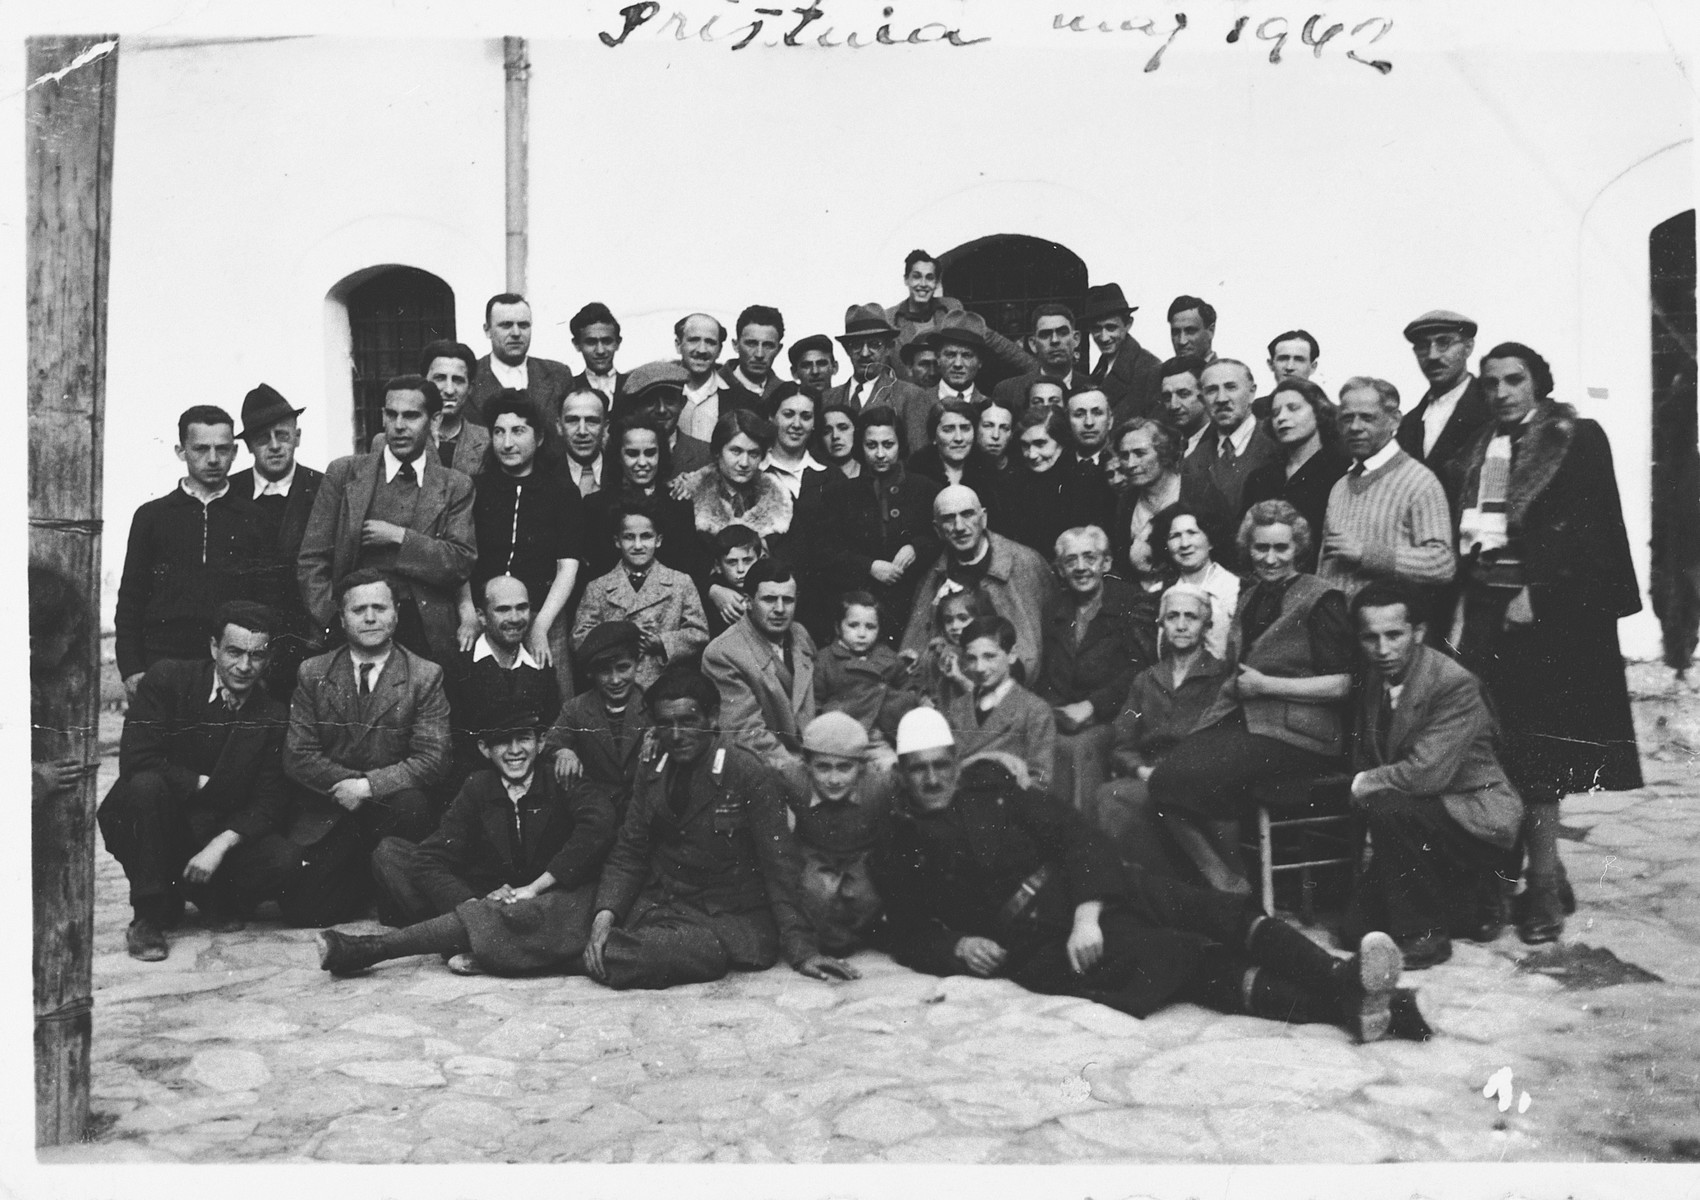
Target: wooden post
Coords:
[(69, 203), (516, 66)]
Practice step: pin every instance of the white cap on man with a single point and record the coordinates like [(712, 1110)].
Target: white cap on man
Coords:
[(923, 729)]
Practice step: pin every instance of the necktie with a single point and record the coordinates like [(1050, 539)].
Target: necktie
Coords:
[(586, 482), (407, 474), (366, 679), (1357, 469), (856, 396), (1383, 722), (1225, 449), (1102, 369), (637, 580)]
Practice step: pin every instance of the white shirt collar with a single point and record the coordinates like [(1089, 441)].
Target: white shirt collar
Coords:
[(511, 377), (1395, 690), (482, 649), (1439, 411), (994, 697), (218, 690), (193, 490), (1241, 436), (392, 464), (274, 487), (710, 387), (1382, 456), (594, 466), (380, 662), (946, 392), (606, 383), (747, 382), (1193, 441), (516, 791)]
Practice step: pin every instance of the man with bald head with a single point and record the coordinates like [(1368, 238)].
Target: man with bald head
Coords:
[(1013, 577), (699, 338), (498, 675), (1235, 444)]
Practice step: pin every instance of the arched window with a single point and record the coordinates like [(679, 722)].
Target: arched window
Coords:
[(1676, 466), (392, 315), (1005, 276)]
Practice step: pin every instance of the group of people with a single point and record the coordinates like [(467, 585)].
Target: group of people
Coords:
[(658, 674)]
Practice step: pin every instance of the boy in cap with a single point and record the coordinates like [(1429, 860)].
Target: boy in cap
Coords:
[(838, 803), (599, 734), (505, 883)]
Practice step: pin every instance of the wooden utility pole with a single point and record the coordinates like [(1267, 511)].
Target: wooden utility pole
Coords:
[(516, 69), (72, 85)]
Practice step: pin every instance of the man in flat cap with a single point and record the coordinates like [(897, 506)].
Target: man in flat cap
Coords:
[(283, 490), (1126, 371), (596, 336), (510, 363), (867, 339), (1453, 410), (813, 363)]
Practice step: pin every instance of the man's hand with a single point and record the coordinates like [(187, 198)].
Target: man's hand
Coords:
[(981, 955), (568, 767), (680, 486), (351, 793), (131, 683), (470, 627), (205, 865), (1520, 611), (822, 966), (61, 773), (728, 602), (1086, 942), (1252, 683), (885, 572), (537, 641), (600, 928), (903, 559), (381, 533), (501, 895), (1346, 547), (649, 642), (1074, 717)]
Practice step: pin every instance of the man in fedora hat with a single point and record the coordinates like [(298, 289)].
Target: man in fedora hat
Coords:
[(1453, 410), (962, 342), (1054, 340), (1126, 371), (868, 338), (283, 490)]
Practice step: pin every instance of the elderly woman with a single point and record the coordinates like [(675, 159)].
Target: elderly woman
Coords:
[(1290, 650), (1149, 456), (1163, 706), (1049, 491), (1184, 540), (880, 532), (1096, 641), (1547, 575), (1306, 428)]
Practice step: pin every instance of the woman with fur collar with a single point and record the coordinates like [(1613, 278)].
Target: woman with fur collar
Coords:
[(1547, 575), (733, 488)]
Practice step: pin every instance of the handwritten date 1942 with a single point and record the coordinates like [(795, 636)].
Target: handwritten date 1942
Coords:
[(1275, 30)]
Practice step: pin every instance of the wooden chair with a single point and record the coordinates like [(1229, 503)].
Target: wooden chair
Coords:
[(1322, 832)]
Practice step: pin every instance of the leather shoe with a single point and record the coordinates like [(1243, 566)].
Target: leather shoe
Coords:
[(1374, 974), (1543, 916), (464, 964), (1408, 1024), (1426, 950), (146, 941), (344, 954)]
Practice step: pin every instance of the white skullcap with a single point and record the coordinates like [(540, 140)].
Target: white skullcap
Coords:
[(923, 729)]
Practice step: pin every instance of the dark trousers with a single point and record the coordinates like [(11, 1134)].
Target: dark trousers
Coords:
[(1427, 872), (1210, 773), (674, 942), (153, 827), (409, 893), (336, 879)]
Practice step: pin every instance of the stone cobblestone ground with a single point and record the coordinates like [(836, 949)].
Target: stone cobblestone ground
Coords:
[(238, 1049)]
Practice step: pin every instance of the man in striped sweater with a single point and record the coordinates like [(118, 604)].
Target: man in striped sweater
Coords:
[(1387, 516)]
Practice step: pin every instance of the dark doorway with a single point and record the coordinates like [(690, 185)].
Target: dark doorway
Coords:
[(1675, 584), (1005, 276), (392, 316)]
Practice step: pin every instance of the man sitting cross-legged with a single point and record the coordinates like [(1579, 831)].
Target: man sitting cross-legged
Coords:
[(702, 878), (505, 884), (200, 799)]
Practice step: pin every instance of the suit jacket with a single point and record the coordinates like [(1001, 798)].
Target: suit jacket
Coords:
[(1229, 475), (1017, 582), (668, 605), (401, 741), (246, 786), (474, 850), (1133, 382), (734, 394), (877, 393), (728, 855), (436, 556), (1119, 643), (762, 705), (1158, 715), (690, 454), (547, 383), (1021, 724), (583, 728), (470, 446), (1440, 745), (1012, 392), (1471, 413), (581, 382)]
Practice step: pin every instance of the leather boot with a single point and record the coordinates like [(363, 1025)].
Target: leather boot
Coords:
[(344, 954)]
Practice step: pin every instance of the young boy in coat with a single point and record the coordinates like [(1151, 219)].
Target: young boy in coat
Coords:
[(725, 594), (600, 733), (661, 602), (1001, 714)]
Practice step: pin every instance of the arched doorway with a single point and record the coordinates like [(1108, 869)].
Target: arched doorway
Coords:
[(1005, 276), (1676, 465), (393, 313)]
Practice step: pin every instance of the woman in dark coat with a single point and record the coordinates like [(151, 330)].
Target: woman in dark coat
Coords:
[(1547, 575), (1049, 491), (951, 455), (880, 535), (1306, 428)]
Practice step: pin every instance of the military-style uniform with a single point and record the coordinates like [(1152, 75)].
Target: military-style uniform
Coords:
[(702, 878)]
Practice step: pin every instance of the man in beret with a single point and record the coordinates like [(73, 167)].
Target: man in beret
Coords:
[(1453, 410), (813, 363), (1126, 371), (596, 336), (867, 339), (283, 490), (510, 364)]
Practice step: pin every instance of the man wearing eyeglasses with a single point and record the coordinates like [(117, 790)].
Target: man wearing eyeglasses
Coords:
[(1452, 411)]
